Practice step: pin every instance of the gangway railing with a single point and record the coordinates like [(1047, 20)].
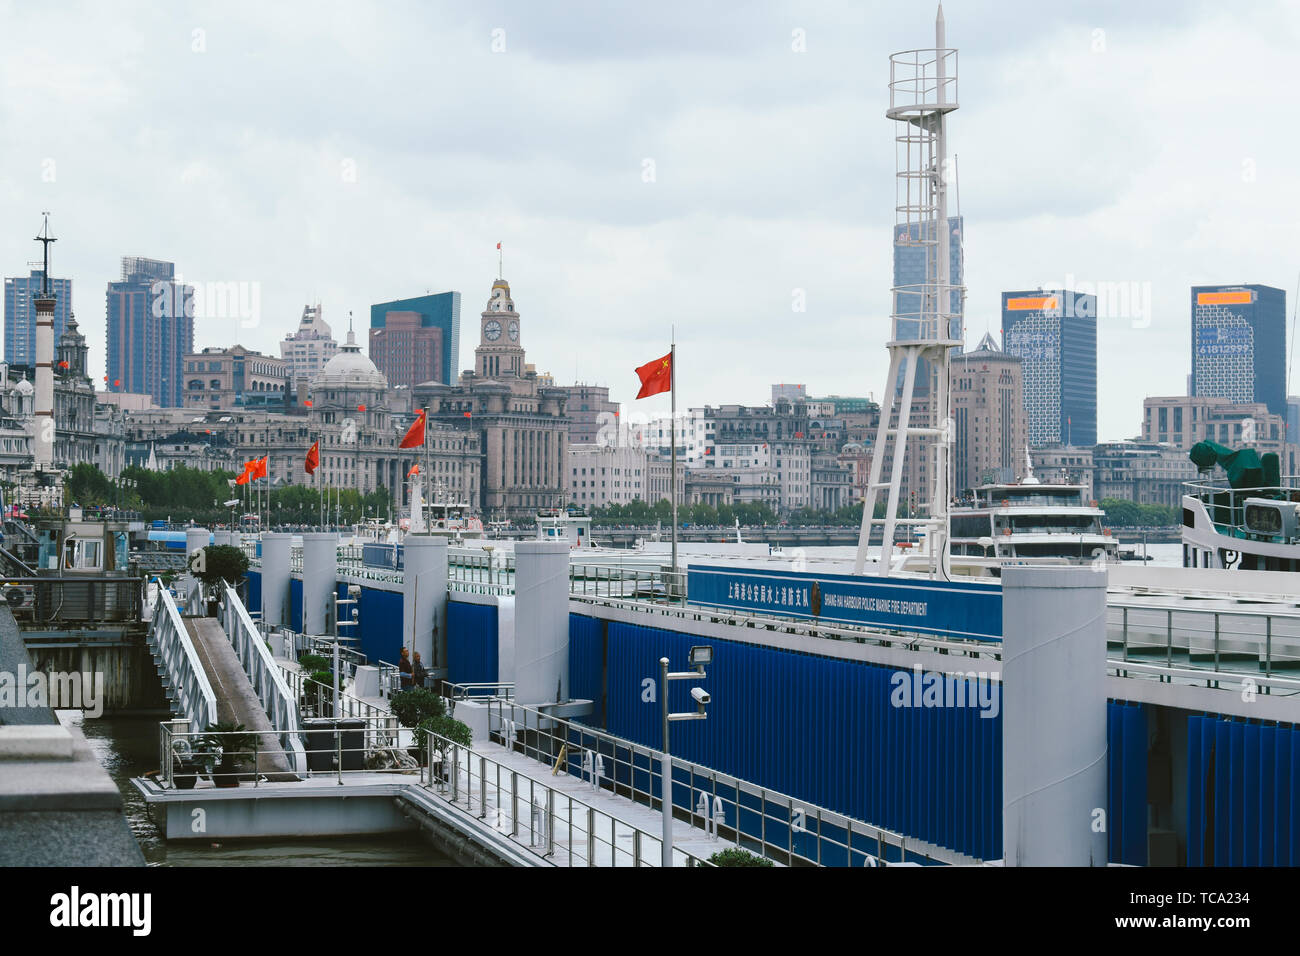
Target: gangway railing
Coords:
[(186, 681), (536, 814), (773, 824), (280, 704)]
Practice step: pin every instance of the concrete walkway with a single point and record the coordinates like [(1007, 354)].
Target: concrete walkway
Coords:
[(236, 699)]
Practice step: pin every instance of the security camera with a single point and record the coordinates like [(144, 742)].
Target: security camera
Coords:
[(701, 695), (354, 590)]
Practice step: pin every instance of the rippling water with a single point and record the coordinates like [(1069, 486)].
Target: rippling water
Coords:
[(128, 747)]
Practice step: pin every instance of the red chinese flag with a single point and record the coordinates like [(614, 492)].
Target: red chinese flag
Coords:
[(307, 402), (361, 408), (259, 468), (468, 415), (498, 245), (313, 458), (414, 436), (63, 364), (117, 382), (248, 471), (415, 470), (656, 376)]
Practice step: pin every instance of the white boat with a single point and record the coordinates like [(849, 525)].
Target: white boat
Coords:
[(1247, 529), (1025, 523)]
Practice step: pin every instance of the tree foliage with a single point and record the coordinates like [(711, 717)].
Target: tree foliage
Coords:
[(1121, 513)]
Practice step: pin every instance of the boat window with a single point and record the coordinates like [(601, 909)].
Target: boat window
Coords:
[(1055, 524), (971, 526)]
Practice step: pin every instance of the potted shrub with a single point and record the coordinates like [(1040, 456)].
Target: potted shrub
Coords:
[(314, 693), (229, 744), (413, 708), (449, 730), (190, 760), (735, 856)]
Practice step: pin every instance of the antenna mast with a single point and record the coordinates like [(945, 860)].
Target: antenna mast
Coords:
[(925, 323)]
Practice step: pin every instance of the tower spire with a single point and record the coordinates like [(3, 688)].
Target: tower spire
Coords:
[(45, 239)]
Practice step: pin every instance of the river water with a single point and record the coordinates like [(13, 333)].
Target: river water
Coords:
[(128, 747)]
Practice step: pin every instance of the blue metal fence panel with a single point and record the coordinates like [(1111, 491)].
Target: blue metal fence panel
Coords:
[(586, 664), (804, 724), (295, 604), (253, 590), (471, 643), (1126, 731), (1243, 795), (381, 625)]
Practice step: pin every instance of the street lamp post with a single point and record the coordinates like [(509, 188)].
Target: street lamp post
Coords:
[(353, 599), (699, 657)]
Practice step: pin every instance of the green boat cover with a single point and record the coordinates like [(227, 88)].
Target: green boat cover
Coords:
[(1244, 467)]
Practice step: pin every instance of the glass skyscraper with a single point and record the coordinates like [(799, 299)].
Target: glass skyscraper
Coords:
[(150, 330), (20, 315), (440, 312), (1239, 344), (1055, 335), (912, 267)]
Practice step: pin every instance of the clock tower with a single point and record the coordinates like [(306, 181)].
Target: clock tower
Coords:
[(499, 354)]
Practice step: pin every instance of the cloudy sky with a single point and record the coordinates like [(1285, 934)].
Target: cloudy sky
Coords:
[(696, 164)]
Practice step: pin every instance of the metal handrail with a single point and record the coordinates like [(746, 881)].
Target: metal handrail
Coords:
[(321, 703), (169, 639), (464, 690), (263, 673), (548, 810), (801, 816), (381, 740), (1197, 675)]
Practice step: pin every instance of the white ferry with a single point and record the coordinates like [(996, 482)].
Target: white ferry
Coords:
[(1029, 523)]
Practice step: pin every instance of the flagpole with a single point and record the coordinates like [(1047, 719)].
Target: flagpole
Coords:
[(672, 478)]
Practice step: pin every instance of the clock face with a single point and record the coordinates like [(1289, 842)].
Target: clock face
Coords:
[(492, 330), (514, 331)]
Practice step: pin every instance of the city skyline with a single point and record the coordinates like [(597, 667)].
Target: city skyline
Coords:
[(770, 190)]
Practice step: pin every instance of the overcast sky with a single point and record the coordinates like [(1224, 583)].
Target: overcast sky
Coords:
[(351, 153)]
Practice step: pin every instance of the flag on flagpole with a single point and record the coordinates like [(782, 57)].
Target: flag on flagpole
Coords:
[(414, 470), (259, 468), (414, 436), (248, 470), (313, 458), (656, 376)]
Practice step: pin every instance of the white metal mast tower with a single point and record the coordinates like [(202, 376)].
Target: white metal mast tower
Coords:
[(925, 323)]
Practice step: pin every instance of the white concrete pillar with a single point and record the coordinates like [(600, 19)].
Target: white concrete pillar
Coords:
[(275, 579), (196, 539), (221, 537), (1054, 716), (424, 598), (320, 571), (541, 621)]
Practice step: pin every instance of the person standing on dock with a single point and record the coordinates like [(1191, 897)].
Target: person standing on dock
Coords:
[(404, 665), (418, 672)]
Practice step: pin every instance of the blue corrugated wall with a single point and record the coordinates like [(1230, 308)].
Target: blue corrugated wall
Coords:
[(253, 591), (381, 625), (295, 604), (1126, 731), (471, 642), (794, 722), (1243, 792), (587, 664)]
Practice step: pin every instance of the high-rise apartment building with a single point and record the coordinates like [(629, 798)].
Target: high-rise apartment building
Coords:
[(306, 350), (1054, 333), (413, 341), (1239, 344), (20, 314), (150, 330)]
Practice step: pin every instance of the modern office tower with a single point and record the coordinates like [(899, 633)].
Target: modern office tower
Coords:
[(413, 341), (150, 330), (1239, 344), (1293, 419), (1055, 335), (307, 349), (911, 266), (20, 314), (590, 410), (989, 416)]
